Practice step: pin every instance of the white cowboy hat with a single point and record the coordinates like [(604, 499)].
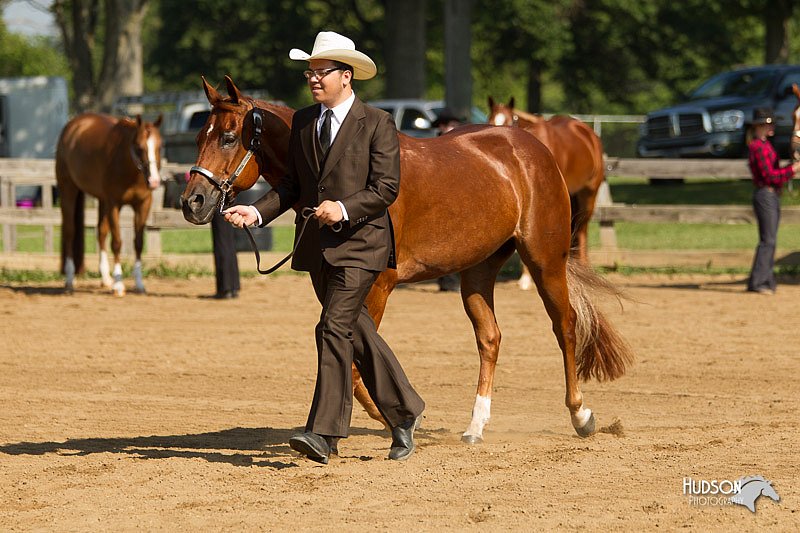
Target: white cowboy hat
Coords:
[(331, 45)]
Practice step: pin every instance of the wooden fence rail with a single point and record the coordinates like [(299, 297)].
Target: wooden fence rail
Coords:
[(39, 174), (16, 173)]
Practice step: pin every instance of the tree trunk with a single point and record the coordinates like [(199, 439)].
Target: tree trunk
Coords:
[(405, 48), (457, 59), (77, 23), (122, 72), (534, 87), (777, 15)]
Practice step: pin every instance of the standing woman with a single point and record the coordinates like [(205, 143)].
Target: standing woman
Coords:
[(768, 179)]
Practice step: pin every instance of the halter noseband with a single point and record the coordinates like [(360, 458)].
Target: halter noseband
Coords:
[(225, 184)]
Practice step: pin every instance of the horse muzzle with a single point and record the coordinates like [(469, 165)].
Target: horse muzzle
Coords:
[(199, 205)]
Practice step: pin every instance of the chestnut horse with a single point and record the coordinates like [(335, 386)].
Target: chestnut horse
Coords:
[(794, 144), (467, 200), (118, 162), (579, 155)]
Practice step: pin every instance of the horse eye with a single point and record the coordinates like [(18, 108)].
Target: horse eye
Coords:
[(228, 138)]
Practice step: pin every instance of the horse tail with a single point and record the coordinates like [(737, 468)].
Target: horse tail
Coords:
[(78, 242), (600, 351)]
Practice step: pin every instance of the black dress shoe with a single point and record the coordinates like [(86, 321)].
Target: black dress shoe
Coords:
[(226, 295), (403, 440), (313, 446)]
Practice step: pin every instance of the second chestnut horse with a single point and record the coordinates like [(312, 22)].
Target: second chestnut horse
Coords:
[(579, 155)]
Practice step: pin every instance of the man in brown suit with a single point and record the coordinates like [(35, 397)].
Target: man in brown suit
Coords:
[(344, 163)]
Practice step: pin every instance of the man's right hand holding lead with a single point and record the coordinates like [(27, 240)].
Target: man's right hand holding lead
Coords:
[(241, 215)]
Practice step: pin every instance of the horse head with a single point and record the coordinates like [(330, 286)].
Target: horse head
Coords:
[(237, 131), (795, 142), (502, 114), (146, 150)]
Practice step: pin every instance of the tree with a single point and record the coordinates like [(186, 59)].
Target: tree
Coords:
[(404, 48), (777, 15), (84, 24), (458, 63)]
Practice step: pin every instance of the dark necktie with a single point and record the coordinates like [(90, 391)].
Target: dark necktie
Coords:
[(325, 132)]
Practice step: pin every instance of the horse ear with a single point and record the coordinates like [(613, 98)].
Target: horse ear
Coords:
[(158, 121), (490, 101), (511, 102), (795, 90), (211, 93), (233, 91), (138, 121)]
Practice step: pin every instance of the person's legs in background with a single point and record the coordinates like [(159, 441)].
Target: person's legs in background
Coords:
[(226, 265)]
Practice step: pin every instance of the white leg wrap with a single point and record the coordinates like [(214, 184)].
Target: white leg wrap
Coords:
[(525, 282), (69, 273), (105, 274), (581, 417), (119, 287), (137, 276), (481, 413)]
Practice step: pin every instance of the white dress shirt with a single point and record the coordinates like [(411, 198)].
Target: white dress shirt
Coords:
[(339, 114)]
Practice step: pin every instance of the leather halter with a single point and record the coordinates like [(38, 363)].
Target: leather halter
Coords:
[(225, 184)]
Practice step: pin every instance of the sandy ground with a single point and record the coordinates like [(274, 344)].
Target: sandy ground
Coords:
[(172, 411)]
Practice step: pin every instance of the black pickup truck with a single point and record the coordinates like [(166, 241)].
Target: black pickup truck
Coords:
[(711, 122)]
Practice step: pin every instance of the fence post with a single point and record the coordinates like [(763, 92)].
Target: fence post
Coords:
[(608, 235)]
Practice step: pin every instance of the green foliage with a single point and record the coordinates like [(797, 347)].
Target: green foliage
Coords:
[(24, 56)]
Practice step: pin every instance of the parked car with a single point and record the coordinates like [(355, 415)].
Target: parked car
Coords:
[(711, 121), (414, 117)]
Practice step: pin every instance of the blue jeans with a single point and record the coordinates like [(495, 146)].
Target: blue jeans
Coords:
[(767, 205)]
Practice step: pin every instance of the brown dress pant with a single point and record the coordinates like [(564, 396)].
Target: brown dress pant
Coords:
[(345, 334)]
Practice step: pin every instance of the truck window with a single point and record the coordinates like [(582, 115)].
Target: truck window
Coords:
[(198, 120), (410, 117)]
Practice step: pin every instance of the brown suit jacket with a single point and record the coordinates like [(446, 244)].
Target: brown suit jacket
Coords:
[(361, 169)]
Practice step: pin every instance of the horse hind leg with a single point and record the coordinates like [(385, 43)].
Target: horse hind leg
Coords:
[(72, 224), (548, 265), (477, 295)]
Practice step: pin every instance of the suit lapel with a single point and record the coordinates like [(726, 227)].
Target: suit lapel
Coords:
[(307, 139), (352, 125)]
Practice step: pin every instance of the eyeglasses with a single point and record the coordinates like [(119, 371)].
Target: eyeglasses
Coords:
[(319, 73)]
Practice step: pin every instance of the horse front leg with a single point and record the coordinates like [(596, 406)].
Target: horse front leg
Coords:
[(118, 286), (140, 218), (102, 238)]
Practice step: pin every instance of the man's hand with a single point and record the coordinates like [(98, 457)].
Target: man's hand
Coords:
[(241, 215), (329, 213)]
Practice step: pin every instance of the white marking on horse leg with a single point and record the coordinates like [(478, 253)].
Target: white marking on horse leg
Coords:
[(583, 421), (525, 281), (137, 275), (119, 287), (155, 176), (499, 120), (105, 272), (69, 274), (481, 412)]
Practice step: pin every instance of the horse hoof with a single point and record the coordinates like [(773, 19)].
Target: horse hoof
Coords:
[(587, 430), (471, 439), (69, 289), (118, 290), (139, 290)]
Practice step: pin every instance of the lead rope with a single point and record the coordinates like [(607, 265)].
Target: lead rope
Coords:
[(307, 213)]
